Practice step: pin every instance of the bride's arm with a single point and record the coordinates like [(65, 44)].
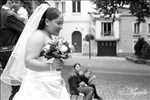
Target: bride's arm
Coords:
[(33, 49)]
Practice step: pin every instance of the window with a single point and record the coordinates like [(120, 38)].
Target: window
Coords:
[(76, 6), (60, 4), (63, 7), (148, 27), (57, 4), (136, 28), (73, 6), (107, 29)]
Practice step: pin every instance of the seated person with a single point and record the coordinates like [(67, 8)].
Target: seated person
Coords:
[(77, 86), (88, 78)]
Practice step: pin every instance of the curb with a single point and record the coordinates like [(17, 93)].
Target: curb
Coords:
[(138, 60), (148, 62)]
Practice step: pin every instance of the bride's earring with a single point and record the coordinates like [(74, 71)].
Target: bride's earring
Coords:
[(46, 22)]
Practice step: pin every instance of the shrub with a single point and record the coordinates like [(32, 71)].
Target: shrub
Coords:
[(145, 51), (138, 47), (142, 49)]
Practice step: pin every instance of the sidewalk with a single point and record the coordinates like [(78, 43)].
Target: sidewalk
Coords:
[(138, 60)]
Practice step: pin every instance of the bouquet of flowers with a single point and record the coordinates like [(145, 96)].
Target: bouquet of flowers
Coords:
[(57, 48)]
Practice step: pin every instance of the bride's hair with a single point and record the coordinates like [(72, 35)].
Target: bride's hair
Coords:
[(50, 14)]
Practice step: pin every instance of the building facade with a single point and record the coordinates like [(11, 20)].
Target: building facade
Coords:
[(77, 23), (118, 35), (113, 35)]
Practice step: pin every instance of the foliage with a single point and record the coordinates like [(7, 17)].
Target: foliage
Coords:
[(142, 49), (89, 37), (138, 8), (145, 51), (138, 46)]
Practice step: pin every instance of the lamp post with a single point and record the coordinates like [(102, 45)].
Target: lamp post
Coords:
[(88, 38)]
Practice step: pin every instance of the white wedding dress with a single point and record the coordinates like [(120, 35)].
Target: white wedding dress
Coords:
[(34, 85), (42, 86)]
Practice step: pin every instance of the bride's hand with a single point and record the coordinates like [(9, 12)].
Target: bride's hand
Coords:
[(50, 61), (58, 64)]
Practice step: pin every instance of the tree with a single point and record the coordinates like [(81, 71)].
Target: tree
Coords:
[(142, 48), (138, 46), (138, 8), (88, 38)]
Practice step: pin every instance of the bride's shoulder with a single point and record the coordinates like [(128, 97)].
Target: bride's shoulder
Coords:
[(37, 36), (38, 33)]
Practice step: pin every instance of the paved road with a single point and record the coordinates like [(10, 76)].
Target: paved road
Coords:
[(110, 65), (117, 78)]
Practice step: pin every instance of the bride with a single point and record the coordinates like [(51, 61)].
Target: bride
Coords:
[(40, 80)]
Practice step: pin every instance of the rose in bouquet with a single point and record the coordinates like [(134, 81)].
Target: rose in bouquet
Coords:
[(57, 48)]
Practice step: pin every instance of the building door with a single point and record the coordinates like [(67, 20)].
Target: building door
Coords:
[(107, 48), (77, 41)]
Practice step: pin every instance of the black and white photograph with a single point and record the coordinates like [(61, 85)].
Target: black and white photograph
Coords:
[(75, 50)]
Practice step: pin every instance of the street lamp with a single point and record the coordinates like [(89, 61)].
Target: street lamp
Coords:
[(88, 38)]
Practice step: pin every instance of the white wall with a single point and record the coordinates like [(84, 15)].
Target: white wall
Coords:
[(127, 36), (69, 28), (83, 16), (76, 21)]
